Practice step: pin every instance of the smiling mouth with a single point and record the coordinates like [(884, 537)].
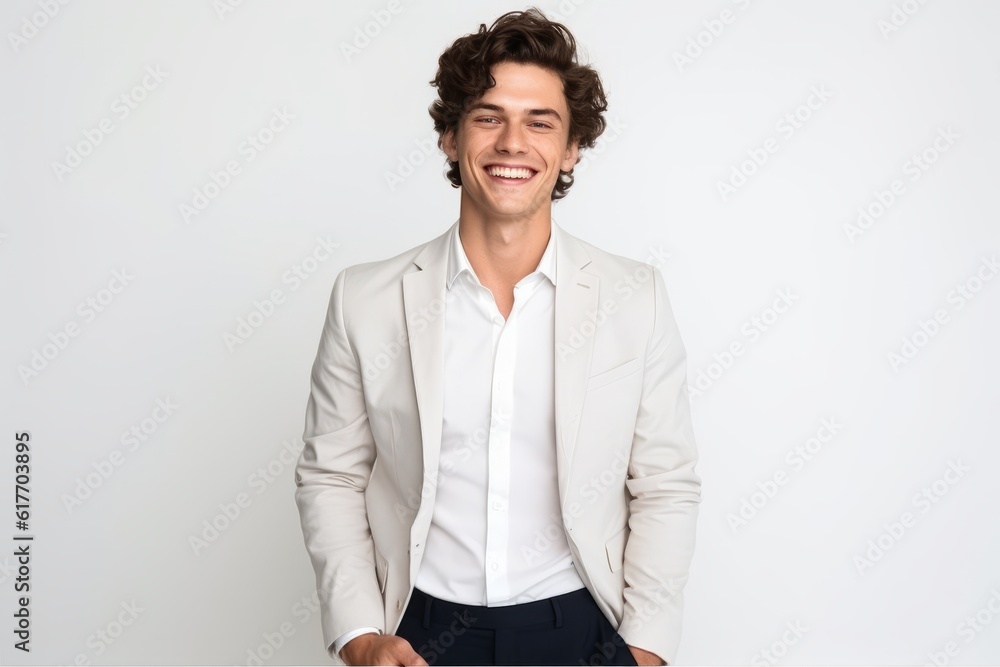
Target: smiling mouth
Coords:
[(512, 175)]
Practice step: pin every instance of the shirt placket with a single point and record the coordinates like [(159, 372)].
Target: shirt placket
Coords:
[(501, 413)]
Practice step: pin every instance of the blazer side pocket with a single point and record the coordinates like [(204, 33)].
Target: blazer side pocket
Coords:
[(615, 548), (381, 570)]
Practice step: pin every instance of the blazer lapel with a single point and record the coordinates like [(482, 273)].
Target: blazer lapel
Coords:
[(423, 305), (577, 294)]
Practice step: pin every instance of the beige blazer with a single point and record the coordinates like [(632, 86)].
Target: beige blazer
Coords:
[(626, 454)]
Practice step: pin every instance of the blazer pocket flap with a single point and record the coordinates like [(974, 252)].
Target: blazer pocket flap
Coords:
[(615, 548), (612, 374), (381, 570)]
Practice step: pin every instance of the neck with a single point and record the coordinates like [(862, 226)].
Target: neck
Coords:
[(504, 250)]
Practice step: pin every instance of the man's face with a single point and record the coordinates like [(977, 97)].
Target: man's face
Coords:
[(521, 122)]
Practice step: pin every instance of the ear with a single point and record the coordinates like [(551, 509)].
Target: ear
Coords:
[(449, 144), (572, 153)]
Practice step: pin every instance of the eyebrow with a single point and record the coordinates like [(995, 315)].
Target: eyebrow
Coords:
[(531, 112)]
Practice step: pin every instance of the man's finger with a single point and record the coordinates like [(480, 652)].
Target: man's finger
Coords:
[(414, 659)]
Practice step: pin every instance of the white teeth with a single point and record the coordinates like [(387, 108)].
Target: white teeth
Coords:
[(507, 172)]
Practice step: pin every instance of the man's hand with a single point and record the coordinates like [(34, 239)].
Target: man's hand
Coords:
[(642, 656), (375, 649)]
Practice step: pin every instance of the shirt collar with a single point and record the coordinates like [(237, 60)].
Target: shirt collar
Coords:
[(458, 261)]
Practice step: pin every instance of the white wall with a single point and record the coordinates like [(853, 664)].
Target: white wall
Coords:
[(678, 129)]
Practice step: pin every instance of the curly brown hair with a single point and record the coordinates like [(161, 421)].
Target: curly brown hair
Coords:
[(528, 37)]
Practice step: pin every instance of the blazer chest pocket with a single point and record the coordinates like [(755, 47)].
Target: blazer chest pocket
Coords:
[(614, 374)]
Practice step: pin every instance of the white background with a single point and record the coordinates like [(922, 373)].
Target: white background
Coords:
[(677, 129)]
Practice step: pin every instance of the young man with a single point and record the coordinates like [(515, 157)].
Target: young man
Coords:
[(499, 458)]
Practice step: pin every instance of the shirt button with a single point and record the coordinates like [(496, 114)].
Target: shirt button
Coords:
[(399, 605), (494, 566), (497, 505)]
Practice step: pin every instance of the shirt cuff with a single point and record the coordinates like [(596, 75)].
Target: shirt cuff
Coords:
[(348, 636)]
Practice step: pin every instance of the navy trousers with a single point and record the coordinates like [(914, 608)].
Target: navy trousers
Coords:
[(567, 629)]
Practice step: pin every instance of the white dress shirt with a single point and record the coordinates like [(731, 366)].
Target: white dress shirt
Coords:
[(496, 535)]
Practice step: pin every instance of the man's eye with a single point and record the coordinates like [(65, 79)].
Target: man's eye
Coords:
[(539, 124), (485, 120)]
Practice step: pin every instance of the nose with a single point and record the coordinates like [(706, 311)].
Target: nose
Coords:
[(511, 139)]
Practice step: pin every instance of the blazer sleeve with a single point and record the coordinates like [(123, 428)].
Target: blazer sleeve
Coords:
[(665, 492), (331, 476)]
